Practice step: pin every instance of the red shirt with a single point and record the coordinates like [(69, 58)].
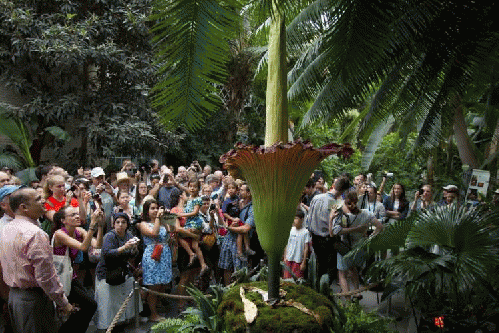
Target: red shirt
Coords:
[(53, 204)]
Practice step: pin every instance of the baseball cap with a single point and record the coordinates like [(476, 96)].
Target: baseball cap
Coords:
[(7, 190), (496, 191), (450, 187), (96, 172)]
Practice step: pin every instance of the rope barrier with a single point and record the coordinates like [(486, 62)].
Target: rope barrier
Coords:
[(120, 312), (190, 298), (357, 291)]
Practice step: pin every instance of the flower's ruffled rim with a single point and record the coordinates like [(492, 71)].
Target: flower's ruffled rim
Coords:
[(236, 158), (344, 150)]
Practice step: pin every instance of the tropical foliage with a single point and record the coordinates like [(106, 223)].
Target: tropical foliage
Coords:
[(86, 66), (448, 263), (420, 62), (191, 39)]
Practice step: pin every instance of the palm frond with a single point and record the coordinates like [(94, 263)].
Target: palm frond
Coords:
[(10, 160), (374, 141), (192, 52), (308, 25)]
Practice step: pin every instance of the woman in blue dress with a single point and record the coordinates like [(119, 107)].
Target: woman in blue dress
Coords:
[(157, 258)]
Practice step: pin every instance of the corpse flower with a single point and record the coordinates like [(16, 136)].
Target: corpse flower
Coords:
[(276, 176)]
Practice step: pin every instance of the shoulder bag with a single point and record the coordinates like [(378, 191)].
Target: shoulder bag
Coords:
[(64, 269), (339, 245), (116, 276)]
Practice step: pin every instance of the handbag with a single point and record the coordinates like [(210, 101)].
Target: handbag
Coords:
[(340, 246), (209, 240), (64, 269), (156, 252), (116, 276)]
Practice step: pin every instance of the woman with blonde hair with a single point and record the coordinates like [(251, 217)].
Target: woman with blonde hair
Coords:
[(56, 197)]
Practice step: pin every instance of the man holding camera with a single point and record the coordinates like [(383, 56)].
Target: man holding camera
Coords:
[(318, 223), (102, 191)]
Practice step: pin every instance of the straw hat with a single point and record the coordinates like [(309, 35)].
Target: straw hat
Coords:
[(123, 177)]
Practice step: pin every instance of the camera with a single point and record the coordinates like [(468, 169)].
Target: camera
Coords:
[(97, 198), (421, 191), (155, 176), (145, 168), (213, 206), (387, 174)]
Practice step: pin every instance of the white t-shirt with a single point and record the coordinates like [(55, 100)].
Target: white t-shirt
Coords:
[(296, 244)]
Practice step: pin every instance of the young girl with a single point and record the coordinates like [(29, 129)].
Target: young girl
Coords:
[(123, 204), (194, 223)]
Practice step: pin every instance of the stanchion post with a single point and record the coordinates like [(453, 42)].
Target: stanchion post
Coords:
[(136, 288)]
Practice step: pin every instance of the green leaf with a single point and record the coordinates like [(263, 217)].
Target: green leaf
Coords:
[(59, 133), (192, 53)]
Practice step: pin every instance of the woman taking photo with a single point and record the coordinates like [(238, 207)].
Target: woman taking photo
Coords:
[(57, 197), (157, 258), (119, 246), (73, 238)]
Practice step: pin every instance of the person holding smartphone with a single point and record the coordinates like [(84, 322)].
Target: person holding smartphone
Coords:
[(423, 199), (157, 257)]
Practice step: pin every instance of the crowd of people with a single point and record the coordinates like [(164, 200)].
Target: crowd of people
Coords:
[(164, 229)]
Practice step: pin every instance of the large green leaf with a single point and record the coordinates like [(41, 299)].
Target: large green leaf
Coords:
[(374, 141), (15, 130), (59, 133), (192, 50)]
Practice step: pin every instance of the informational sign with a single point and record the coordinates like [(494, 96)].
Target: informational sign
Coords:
[(479, 181)]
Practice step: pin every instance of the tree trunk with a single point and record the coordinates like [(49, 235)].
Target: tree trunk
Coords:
[(463, 142), (494, 145)]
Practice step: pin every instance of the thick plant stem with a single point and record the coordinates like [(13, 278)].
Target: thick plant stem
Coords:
[(276, 120), (274, 278), (277, 84)]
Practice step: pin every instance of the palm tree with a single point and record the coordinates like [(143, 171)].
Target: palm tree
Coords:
[(416, 59), (448, 266)]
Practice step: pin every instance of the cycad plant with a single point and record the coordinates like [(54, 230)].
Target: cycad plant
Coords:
[(448, 265)]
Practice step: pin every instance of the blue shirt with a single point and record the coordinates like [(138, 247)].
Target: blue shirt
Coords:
[(248, 218)]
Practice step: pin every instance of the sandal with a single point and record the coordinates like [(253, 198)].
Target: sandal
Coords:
[(192, 259), (204, 271)]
